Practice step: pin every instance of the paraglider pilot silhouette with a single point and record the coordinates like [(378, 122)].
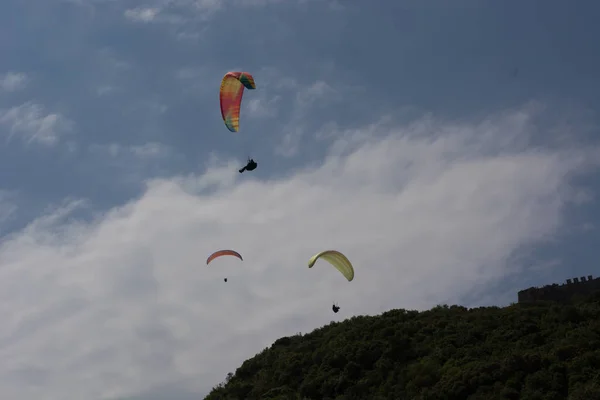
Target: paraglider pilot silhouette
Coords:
[(335, 308), (250, 166)]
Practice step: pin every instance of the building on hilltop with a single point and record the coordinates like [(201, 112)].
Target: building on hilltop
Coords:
[(561, 293)]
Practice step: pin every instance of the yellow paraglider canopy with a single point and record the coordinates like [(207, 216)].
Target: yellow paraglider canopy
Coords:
[(337, 259)]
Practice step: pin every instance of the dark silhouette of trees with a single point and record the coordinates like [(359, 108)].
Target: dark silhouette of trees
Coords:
[(523, 351)]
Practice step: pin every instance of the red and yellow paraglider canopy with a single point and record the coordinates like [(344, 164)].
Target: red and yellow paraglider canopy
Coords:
[(230, 95)]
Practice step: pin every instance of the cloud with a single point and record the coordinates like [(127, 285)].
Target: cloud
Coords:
[(113, 74), (209, 5), (34, 124), (183, 11), (192, 36), (124, 305), (153, 14), (275, 79), (256, 3), (105, 90), (129, 165), (311, 97), (263, 107), (193, 80), (113, 61), (141, 14), (150, 150), (174, 12), (313, 93), (13, 81), (8, 206), (190, 73), (145, 151), (135, 162)]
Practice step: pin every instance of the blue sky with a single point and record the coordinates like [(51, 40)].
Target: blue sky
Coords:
[(451, 151)]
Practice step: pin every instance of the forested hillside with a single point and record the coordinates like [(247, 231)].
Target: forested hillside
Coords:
[(540, 351)]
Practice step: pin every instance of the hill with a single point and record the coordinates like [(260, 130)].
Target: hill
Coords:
[(523, 351)]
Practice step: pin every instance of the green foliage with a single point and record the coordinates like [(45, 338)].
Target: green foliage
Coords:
[(529, 352)]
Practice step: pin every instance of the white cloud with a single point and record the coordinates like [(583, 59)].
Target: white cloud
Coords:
[(112, 70), (262, 106), (427, 214), (148, 150), (131, 164), (192, 36), (13, 81), (256, 3), (108, 57), (307, 98), (183, 11), (272, 78), (153, 106), (289, 145), (190, 73), (174, 12), (142, 14), (8, 206), (314, 93), (192, 80), (34, 124), (336, 5), (152, 149), (105, 90), (208, 5)]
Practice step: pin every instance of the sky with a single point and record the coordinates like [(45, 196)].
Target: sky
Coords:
[(450, 150)]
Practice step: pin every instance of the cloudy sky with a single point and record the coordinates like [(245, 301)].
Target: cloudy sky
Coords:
[(450, 151)]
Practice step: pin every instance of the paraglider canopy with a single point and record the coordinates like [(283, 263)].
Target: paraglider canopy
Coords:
[(337, 259), (230, 95), (221, 253)]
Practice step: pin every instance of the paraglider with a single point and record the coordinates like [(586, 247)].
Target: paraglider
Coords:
[(230, 95), (250, 166), (337, 259), (221, 253)]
